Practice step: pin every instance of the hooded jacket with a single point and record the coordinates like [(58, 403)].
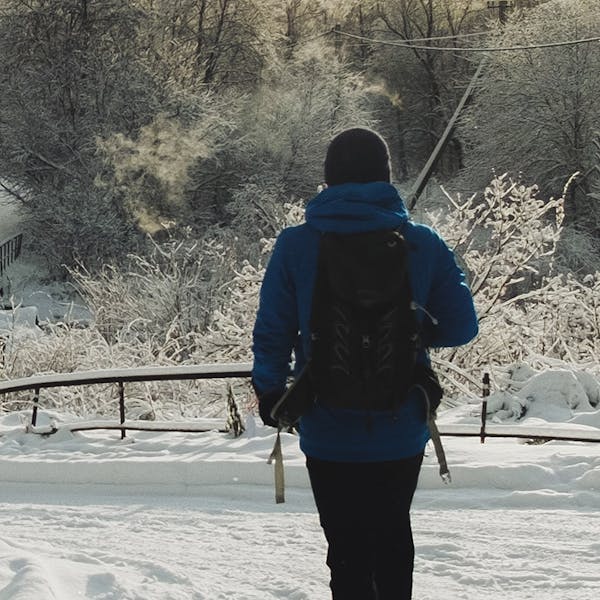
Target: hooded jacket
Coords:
[(282, 322)]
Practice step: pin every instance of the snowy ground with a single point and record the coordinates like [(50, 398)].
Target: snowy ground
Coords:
[(9, 217), (192, 516), (21, 282)]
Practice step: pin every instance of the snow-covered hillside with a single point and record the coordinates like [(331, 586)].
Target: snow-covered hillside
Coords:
[(192, 516)]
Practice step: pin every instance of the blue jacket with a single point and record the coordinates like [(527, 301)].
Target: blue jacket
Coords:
[(282, 322)]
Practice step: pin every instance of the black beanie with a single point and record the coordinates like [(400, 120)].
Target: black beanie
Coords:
[(357, 156)]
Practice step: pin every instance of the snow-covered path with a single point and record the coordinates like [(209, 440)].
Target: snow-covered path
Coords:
[(162, 548), (66, 545), (165, 516), (188, 516), (506, 553)]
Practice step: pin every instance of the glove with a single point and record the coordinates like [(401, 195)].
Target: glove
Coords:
[(266, 402)]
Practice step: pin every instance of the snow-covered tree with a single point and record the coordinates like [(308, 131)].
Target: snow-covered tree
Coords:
[(70, 72), (537, 110), (304, 102), (424, 83)]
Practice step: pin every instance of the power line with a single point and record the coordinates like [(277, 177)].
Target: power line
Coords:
[(404, 41), (310, 39), (405, 44), (329, 32), (447, 37)]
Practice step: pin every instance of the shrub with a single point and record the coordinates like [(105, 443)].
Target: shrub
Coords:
[(193, 301)]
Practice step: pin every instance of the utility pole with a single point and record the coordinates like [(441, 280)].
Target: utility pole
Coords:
[(427, 170), (502, 6)]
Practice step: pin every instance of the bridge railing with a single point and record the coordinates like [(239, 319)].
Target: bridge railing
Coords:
[(120, 377), (10, 250)]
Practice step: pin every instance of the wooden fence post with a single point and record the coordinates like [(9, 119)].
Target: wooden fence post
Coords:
[(36, 402), (122, 407), (485, 394)]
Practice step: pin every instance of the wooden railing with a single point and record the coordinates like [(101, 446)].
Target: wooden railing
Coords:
[(10, 250), (37, 383)]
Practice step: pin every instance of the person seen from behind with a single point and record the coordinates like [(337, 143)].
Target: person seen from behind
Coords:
[(363, 463)]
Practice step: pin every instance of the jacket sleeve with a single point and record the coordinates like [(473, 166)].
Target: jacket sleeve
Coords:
[(276, 327), (450, 301)]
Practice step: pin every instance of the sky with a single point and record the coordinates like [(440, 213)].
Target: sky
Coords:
[(193, 516)]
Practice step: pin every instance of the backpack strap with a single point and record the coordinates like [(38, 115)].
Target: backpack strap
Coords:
[(435, 436), (439, 449), (276, 457)]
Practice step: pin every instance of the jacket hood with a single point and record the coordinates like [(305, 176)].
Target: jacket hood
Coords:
[(356, 207)]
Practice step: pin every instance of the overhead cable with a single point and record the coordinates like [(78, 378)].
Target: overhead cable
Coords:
[(406, 44), (446, 37)]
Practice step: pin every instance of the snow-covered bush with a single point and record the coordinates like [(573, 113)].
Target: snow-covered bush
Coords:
[(528, 311), (162, 299), (552, 394), (64, 349), (187, 302), (194, 301), (229, 334)]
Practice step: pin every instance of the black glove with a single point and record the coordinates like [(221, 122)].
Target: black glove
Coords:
[(266, 402)]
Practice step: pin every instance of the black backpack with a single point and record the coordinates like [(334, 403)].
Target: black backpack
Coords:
[(365, 338), (364, 332)]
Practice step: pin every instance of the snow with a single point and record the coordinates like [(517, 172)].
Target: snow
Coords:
[(192, 515), (21, 284), (23, 295), (10, 219), (20, 317)]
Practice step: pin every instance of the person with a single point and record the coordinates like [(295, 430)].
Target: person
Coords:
[(363, 471)]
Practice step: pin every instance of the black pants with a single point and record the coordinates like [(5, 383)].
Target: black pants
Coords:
[(364, 510)]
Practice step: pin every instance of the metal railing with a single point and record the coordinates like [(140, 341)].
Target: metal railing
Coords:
[(10, 250), (120, 377), (37, 383)]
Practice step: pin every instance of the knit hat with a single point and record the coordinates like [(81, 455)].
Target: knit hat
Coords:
[(357, 156)]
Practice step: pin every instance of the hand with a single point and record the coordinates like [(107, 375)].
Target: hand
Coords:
[(266, 402)]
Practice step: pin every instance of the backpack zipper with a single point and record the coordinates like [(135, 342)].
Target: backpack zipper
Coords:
[(415, 306)]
